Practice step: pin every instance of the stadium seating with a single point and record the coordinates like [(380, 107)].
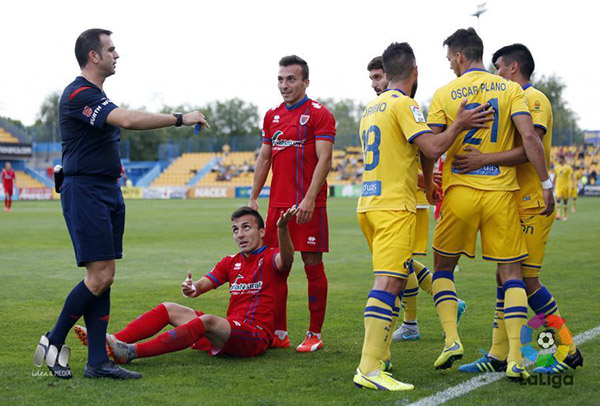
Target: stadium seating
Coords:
[(346, 167), (24, 180), (237, 169), (183, 169), (7, 137), (233, 169)]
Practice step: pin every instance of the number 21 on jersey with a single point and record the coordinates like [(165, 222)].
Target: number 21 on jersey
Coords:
[(470, 136)]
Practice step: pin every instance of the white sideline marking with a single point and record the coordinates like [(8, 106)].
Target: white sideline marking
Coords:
[(486, 378)]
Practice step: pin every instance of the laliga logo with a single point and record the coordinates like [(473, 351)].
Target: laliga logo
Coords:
[(551, 327)]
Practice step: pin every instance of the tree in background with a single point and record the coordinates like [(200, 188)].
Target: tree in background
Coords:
[(45, 128), (565, 130)]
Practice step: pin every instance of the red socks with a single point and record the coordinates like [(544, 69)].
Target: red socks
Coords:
[(145, 325), (281, 307), (317, 295), (176, 339), (317, 299)]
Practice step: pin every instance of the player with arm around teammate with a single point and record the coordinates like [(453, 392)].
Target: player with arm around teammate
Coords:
[(393, 131), (420, 276), (515, 62), (254, 274), (483, 201)]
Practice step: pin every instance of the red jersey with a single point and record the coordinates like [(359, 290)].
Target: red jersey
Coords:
[(253, 280), (8, 177), (292, 132)]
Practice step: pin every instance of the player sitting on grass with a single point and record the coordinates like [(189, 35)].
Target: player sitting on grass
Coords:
[(253, 275)]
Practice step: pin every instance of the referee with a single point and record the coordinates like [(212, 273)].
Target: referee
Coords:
[(92, 203)]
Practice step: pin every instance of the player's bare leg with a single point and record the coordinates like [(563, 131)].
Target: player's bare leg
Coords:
[(317, 300), (446, 304), (178, 314)]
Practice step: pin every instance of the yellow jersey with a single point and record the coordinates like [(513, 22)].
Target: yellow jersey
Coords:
[(388, 126), (478, 87), (577, 174), (563, 175), (422, 202), (530, 195)]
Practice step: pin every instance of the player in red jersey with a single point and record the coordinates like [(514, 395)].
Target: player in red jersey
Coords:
[(8, 179), (297, 144), (254, 274)]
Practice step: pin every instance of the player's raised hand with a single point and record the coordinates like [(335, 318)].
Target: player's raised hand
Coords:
[(473, 117), (470, 161), (195, 117), (287, 216), (187, 287), (548, 201)]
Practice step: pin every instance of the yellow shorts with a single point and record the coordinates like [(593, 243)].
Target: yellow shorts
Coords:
[(536, 229), (494, 213), (562, 193), (573, 192), (421, 232), (390, 238)]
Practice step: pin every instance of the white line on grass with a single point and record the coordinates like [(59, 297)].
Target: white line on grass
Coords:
[(486, 378)]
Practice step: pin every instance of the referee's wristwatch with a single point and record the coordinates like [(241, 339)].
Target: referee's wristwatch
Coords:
[(179, 117)]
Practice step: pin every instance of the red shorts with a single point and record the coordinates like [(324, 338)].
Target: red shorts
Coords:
[(8, 190), (309, 237), (245, 341)]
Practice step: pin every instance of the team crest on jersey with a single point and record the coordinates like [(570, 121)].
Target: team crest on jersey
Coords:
[(418, 114), (304, 119)]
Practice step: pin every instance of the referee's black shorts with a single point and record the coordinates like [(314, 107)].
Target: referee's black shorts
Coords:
[(94, 211)]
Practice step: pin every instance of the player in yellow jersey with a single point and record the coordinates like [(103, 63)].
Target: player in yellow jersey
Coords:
[(420, 276), (577, 174), (391, 129), (562, 183), (515, 62), (483, 200)]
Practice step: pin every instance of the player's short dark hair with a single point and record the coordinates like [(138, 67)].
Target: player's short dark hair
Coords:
[(376, 63), (295, 60), (89, 40), (245, 211), (398, 61), (518, 53), (467, 42)]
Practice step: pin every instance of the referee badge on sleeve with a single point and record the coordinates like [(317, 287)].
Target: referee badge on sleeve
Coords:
[(418, 115)]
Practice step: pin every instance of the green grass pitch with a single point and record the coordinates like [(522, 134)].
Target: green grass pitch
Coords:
[(164, 239)]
